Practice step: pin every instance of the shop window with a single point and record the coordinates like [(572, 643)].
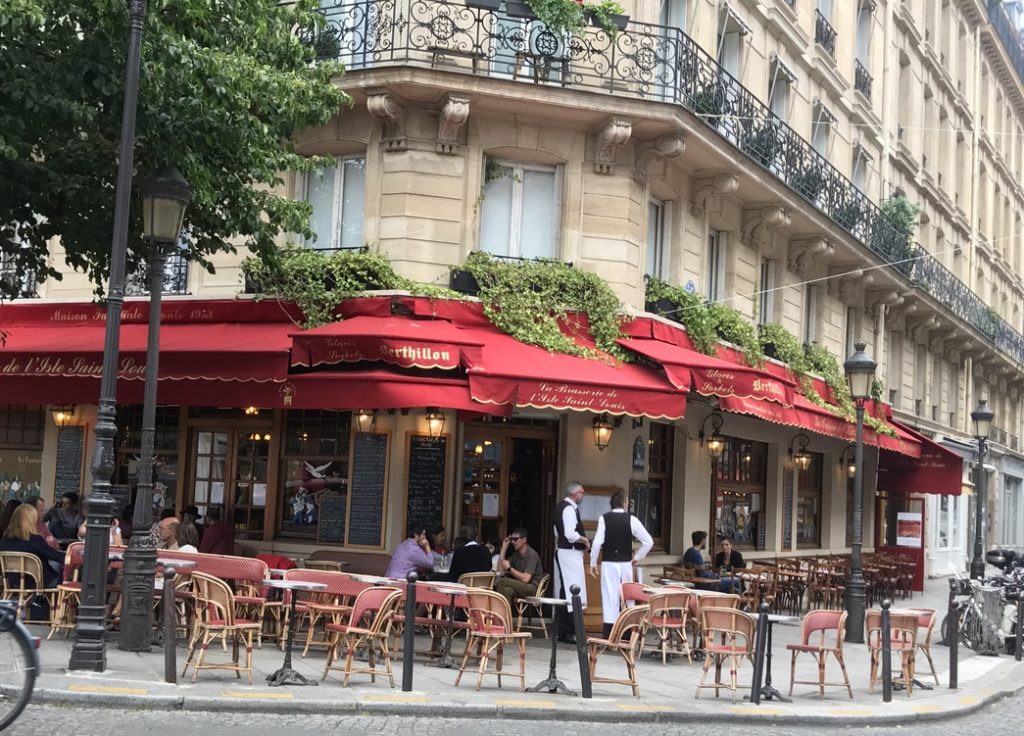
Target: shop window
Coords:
[(521, 210), (659, 479), (808, 504), (21, 451), (337, 195), (165, 455), (739, 493), (314, 465)]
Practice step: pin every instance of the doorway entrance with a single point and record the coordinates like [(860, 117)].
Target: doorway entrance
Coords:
[(899, 529), (508, 481)]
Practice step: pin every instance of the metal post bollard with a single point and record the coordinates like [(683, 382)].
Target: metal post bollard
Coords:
[(170, 628), (409, 638), (760, 641), (953, 633), (581, 642), (1019, 644), (886, 637)]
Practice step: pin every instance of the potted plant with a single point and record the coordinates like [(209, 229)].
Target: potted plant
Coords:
[(519, 9), (607, 15), (709, 101), (762, 144), (808, 181), (657, 299)]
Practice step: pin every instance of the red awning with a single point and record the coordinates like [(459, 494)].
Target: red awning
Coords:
[(687, 369), (401, 341), (937, 470)]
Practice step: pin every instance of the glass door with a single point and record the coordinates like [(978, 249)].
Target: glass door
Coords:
[(210, 468), (484, 473), (249, 498), (229, 469)]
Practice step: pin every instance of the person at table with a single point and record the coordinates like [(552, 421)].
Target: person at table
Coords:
[(693, 559), (613, 542), (168, 531), (21, 536), (411, 555), (570, 543), (65, 518), (218, 538), (154, 530), (470, 557), (729, 558), (519, 571), (41, 529), (187, 537), (191, 516)]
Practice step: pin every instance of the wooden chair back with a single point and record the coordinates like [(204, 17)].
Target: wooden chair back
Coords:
[(632, 593), (477, 579), (214, 600), (377, 604), (902, 630), (21, 572), (719, 600), (821, 622), (735, 628), (489, 612), (630, 626)]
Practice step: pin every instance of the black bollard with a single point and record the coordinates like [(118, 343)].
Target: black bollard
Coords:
[(170, 628), (760, 642), (409, 638), (1020, 621), (886, 636), (953, 632), (581, 642)]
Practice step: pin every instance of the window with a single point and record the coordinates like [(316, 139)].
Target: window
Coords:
[(521, 210), (657, 516), (864, 13), (808, 503), (337, 195), (731, 30), (766, 293), (21, 426), (20, 281), (657, 237), (1011, 535), (165, 454), (738, 488), (821, 128), (861, 162), (314, 466), (673, 14), (21, 451), (810, 314), (716, 266), (780, 78), (852, 329)]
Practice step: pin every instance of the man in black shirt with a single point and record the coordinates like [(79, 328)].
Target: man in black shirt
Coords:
[(471, 557)]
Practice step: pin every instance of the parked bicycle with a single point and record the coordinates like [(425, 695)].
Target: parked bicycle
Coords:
[(19, 664), (987, 610)]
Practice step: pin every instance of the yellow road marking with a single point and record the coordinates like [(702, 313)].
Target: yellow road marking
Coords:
[(257, 695), (968, 700), (528, 703), (930, 708), (105, 689), (398, 698), (756, 710), (646, 708), (852, 711)]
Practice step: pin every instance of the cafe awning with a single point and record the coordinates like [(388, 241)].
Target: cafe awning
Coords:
[(938, 470)]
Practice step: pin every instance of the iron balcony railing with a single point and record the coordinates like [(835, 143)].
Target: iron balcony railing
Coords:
[(861, 79), (16, 282), (1008, 34), (648, 62), (824, 33), (175, 278)]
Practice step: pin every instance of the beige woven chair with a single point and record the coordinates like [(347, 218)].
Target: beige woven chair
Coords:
[(903, 639), (22, 575), (534, 609), (926, 618), (323, 565), (626, 638), (728, 635), (490, 629), (216, 619), (670, 611), (478, 580)]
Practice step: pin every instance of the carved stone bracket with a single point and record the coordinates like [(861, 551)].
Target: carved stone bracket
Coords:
[(385, 109), (453, 116), (704, 190), (670, 145), (844, 284), (802, 252), (759, 222), (610, 138), (917, 327)]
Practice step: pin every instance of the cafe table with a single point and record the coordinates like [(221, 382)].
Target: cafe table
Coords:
[(767, 691), (286, 675), (551, 683), (451, 590)]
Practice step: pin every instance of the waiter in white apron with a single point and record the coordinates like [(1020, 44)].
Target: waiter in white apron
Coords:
[(613, 541), (570, 544)]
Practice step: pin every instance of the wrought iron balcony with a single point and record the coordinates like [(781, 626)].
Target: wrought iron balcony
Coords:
[(824, 33), (1008, 34), (16, 282), (175, 278), (861, 79)]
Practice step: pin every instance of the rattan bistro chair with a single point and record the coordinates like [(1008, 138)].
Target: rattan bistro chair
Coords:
[(903, 641), (369, 625), (670, 611), (626, 638), (22, 576), (822, 623), (523, 607), (216, 619), (728, 635), (490, 629)]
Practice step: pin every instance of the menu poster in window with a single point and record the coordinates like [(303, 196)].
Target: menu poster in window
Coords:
[(68, 478), (331, 519), (909, 528), (427, 478), (368, 489)]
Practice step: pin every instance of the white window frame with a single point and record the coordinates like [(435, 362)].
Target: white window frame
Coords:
[(515, 245), (661, 235), (863, 34), (717, 245), (852, 328), (810, 314), (781, 80), (337, 206), (821, 128), (766, 295), (861, 159), (731, 30)]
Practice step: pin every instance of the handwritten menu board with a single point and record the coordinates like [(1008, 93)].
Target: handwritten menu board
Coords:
[(427, 475), (331, 529), (69, 461), (787, 509), (640, 503), (367, 489)]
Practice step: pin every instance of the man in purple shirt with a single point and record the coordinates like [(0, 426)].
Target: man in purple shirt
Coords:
[(412, 555)]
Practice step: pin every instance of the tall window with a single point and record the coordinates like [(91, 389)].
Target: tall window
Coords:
[(731, 30), (864, 31), (780, 78), (337, 195), (808, 503), (659, 477), (861, 161), (521, 210), (716, 266), (314, 466), (739, 491), (21, 451), (852, 329), (657, 237), (673, 14), (810, 314), (766, 292), (821, 128)]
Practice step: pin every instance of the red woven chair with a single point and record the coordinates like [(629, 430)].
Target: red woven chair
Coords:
[(821, 622), (215, 607), (330, 604), (369, 625), (626, 638), (68, 592), (491, 628), (670, 611), (632, 593)]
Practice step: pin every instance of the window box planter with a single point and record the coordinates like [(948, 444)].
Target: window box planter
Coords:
[(663, 307), (463, 282), (484, 4), (519, 9)]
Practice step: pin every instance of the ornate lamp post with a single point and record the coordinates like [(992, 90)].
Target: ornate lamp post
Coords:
[(164, 199), (89, 650), (982, 418), (860, 370)]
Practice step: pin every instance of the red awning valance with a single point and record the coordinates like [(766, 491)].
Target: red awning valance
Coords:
[(937, 470)]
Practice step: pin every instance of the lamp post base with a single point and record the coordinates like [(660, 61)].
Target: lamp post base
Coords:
[(977, 568), (137, 608), (855, 604), (89, 652)]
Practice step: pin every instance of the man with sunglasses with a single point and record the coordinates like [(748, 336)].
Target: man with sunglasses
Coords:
[(520, 571)]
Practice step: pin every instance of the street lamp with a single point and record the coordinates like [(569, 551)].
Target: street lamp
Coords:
[(89, 651), (982, 418), (165, 195), (860, 371)]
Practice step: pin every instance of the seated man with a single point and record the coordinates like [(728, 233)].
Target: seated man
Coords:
[(693, 558), (412, 555), (521, 572), (470, 557)]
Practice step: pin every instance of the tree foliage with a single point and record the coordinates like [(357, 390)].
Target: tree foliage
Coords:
[(225, 85)]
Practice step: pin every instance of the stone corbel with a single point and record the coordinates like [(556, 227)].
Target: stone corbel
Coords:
[(844, 284), (759, 222), (610, 138), (706, 189), (670, 145), (878, 300), (918, 327), (802, 252), (452, 117), (385, 108)]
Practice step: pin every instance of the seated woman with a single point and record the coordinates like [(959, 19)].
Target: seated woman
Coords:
[(188, 537), (729, 559), (693, 558), (22, 535)]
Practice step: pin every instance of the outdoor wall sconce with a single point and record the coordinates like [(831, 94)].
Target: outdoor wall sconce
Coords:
[(800, 458), (252, 411), (435, 421), (62, 414), (846, 459), (366, 418), (715, 442), (747, 456), (603, 428), (258, 436)]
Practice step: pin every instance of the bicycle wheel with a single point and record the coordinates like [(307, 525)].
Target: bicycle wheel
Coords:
[(18, 667), (970, 630)]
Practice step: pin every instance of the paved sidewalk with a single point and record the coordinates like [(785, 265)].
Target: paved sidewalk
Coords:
[(667, 691)]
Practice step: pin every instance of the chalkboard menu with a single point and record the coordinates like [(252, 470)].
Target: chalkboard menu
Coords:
[(640, 503), (367, 489), (787, 509), (428, 470), (331, 518), (69, 461)]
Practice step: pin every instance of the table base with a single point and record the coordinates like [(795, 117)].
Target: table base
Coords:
[(917, 684), (552, 685), (288, 676), (770, 693)]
